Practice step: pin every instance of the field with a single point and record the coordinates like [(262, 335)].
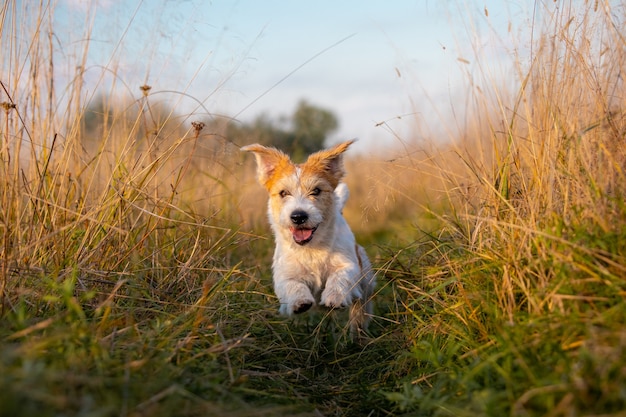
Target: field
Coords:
[(135, 255)]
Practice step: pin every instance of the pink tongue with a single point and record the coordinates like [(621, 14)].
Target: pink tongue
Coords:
[(300, 235)]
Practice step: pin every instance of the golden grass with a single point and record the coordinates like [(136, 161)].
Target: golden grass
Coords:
[(135, 251)]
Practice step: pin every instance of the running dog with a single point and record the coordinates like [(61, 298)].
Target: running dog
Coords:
[(317, 260)]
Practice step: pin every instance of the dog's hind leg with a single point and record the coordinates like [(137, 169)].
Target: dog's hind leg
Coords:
[(360, 315), (362, 308), (357, 318)]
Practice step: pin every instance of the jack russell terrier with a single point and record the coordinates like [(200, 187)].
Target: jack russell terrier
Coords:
[(317, 260)]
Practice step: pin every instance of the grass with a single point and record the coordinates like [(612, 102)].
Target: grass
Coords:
[(128, 290)]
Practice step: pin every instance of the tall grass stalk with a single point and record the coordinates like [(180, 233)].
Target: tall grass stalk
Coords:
[(134, 277), (526, 287)]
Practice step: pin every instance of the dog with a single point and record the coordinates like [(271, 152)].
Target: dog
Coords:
[(316, 260)]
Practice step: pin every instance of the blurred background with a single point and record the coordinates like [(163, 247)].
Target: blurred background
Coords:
[(387, 72)]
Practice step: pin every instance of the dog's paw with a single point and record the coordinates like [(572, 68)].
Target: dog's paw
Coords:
[(301, 306), (296, 307), (334, 298)]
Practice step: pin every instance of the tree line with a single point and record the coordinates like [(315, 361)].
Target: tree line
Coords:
[(304, 131)]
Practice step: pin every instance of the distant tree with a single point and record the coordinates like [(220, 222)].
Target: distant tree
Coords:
[(261, 130), (305, 131), (311, 127), (97, 114)]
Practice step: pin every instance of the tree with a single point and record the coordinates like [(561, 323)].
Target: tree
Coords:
[(304, 132), (311, 127)]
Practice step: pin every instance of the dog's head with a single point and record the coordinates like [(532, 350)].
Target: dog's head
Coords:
[(302, 201)]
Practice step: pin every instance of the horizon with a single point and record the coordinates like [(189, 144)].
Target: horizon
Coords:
[(391, 74)]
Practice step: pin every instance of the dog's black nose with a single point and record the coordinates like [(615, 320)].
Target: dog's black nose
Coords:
[(299, 217)]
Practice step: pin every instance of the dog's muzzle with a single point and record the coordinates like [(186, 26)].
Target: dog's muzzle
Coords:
[(301, 233)]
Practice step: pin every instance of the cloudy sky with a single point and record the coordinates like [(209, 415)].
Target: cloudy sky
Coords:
[(388, 70)]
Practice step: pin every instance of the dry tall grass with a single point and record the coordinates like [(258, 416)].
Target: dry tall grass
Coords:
[(518, 305), (132, 281), (533, 166)]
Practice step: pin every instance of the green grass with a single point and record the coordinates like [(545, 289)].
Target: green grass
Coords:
[(440, 346), (472, 357), (219, 348), (127, 289)]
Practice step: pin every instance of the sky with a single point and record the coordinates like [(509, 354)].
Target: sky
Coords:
[(388, 70)]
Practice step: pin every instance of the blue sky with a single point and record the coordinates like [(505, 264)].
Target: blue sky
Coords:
[(400, 62)]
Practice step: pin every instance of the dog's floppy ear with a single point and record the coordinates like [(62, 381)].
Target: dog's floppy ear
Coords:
[(270, 162), (331, 161)]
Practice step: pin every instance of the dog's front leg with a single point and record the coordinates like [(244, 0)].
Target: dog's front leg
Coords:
[(294, 295), (341, 287)]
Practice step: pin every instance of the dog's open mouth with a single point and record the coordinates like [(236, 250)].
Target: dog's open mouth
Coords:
[(302, 235)]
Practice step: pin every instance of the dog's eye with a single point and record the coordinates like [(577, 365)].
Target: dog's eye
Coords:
[(283, 193), (315, 191)]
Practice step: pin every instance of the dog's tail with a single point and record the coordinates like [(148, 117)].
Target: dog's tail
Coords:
[(342, 193)]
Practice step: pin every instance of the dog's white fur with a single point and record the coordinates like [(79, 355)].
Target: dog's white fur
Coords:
[(317, 260)]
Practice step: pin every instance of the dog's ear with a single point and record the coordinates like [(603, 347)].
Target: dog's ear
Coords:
[(330, 161), (270, 162)]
